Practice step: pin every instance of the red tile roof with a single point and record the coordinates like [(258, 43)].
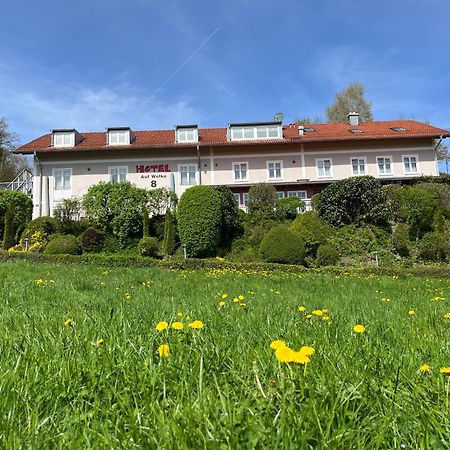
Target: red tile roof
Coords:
[(218, 136)]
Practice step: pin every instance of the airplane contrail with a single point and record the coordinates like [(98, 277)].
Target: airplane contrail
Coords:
[(185, 61)]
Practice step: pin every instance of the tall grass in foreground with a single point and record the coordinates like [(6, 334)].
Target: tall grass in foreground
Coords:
[(79, 366)]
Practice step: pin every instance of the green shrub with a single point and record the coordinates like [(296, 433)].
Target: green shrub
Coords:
[(288, 208), (116, 208), (262, 202), (157, 225), (280, 245), (169, 244), (400, 239), (68, 212), (111, 244), (200, 220), (434, 246), (231, 219), (354, 200), (8, 235), (313, 231), (149, 246), (327, 255), (145, 223), (22, 214), (66, 244), (44, 225), (92, 240)]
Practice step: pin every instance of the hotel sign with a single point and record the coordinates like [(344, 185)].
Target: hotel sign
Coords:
[(153, 168)]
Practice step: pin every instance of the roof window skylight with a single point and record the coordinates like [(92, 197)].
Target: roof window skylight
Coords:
[(398, 129)]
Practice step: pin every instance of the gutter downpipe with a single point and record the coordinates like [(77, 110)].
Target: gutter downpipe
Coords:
[(40, 183), (441, 138), (199, 166)]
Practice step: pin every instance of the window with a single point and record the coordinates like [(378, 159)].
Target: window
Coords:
[(118, 137), (237, 198), (358, 166), (356, 131), (323, 168), (384, 164), (118, 174), (64, 139), (410, 164), (187, 134), (398, 129), (309, 130), (300, 194), (274, 169), (254, 132), (62, 179), (280, 194), (240, 171), (188, 174), (245, 197)]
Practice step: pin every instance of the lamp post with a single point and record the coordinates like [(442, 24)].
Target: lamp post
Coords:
[(185, 251), (27, 241), (377, 262)]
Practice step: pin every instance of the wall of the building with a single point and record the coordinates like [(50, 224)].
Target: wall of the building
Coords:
[(298, 162)]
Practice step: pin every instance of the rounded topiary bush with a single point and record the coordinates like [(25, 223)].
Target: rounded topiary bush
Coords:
[(148, 246), (312, 230), (280, 245), (327, 255), (92, 240), (63, 245), (200, 220)]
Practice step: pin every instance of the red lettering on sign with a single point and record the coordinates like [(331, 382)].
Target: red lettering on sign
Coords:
[(153, 168), (140, 169)]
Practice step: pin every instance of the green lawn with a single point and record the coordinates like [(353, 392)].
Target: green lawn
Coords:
[(221, 386)]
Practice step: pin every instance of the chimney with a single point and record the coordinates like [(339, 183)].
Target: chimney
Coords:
[(353, 118), (301, 130)]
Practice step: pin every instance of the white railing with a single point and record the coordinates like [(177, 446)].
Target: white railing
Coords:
[(22, 183)]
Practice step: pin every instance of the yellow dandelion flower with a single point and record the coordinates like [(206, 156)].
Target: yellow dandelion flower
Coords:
[(177, 326), (307, 350), (241, 297), (359, 328), (300, 358), (224, 296), (308, 316), (325, 311), (100, 342), (411, 312), (284, 354), (325, 318), (425, 368), (222, 304), (235, 300), (445, 371), (162, 326), (277, 344), (317, 312), (69, 323), (447, 315), (179, 314), (127, 296), (163, 350), (301, 308), (196, 325)]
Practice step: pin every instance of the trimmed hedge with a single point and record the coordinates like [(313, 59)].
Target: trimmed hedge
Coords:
[(148, 246), (327, 255), (66, 244), (280, 245), (200, 220)]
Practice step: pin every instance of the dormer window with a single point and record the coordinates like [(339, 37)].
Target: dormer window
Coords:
[(119, 136), (253, 132), (64, 138), (186, 133)]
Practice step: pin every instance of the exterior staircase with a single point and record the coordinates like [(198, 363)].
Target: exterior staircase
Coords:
[(22, 183)]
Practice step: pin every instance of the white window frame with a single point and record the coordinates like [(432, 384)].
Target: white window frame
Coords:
[(238, 180), (245, 199), (118, 168), (118, 133), (378, 167), (64, 135), (182, 135), (189, 171), (237, 198), (280, 162), (364, 158), (254, 130), (294, 194), (404, 165), (280, 195), (62, 169), (331, 167)]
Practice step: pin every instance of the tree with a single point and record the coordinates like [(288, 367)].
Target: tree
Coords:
[(349, 100), (10, 165), (262, 202)]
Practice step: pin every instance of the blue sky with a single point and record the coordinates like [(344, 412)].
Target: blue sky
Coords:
[(99, 63)]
